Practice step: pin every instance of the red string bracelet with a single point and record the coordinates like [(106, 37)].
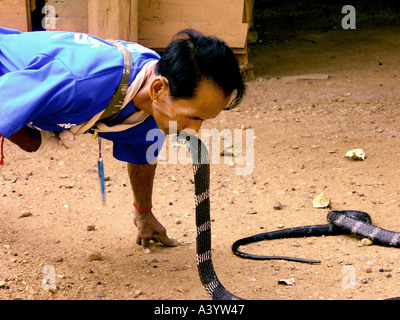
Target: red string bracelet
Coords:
[(2, 151), (148, 209)]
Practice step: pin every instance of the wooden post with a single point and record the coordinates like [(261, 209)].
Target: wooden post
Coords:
[(14, 14), (109, 19), (248, 13), (134, 22), (29, 8)]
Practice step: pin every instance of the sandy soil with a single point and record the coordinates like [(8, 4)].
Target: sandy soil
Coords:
[(302, 129)]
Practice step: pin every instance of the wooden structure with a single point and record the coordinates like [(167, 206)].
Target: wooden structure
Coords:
[(151, 23), (14, 14)]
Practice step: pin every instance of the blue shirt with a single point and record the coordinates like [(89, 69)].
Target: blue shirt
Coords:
[(57, 80)]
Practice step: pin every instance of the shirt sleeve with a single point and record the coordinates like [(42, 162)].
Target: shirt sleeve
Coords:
[(44, 87)]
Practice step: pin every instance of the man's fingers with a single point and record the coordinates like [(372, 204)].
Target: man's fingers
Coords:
[(139, 240), (146, 245), (169, 242), (152, 230)]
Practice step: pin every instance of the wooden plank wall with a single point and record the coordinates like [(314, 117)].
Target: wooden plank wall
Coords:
[(223, 11), (72, 15), (152, 23), (230, 20), (159, 20), (113, 19), (109, 19), (13, 14), (158, 34)]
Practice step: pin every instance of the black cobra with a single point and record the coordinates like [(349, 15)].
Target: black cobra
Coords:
[(339, 222), (201, 170)]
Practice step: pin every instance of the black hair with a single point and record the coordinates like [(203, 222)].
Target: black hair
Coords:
[(192, 57)]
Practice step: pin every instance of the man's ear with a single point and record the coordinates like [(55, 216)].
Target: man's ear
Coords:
[(158, 87)]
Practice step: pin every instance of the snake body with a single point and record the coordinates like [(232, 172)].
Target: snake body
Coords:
[(201, 171), (339, 222)]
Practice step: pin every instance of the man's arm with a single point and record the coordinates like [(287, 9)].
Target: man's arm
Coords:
[(141, 178)]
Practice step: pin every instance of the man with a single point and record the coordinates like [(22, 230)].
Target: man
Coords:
[(62, 82)]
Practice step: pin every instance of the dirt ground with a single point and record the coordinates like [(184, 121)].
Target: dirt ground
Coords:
[(302, 130)]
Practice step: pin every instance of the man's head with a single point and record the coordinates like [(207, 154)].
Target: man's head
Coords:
[(197, 77)]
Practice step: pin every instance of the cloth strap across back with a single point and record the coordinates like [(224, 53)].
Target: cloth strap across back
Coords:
[(117, 100), (120, 99)]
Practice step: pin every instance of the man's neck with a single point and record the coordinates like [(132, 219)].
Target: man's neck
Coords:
[(142, 99)]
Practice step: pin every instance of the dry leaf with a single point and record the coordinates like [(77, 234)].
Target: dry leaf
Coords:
[(321, 201), (288, 282), (229, 152), (356, 154)]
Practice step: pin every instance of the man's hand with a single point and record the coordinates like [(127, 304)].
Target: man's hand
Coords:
[(149, 229)]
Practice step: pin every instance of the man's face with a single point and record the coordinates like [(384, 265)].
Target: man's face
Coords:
[(208, 101)]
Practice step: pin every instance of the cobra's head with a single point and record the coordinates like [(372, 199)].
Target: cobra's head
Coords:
[(353, 214)]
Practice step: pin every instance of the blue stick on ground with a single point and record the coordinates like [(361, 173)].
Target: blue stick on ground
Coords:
[(101, 174)]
